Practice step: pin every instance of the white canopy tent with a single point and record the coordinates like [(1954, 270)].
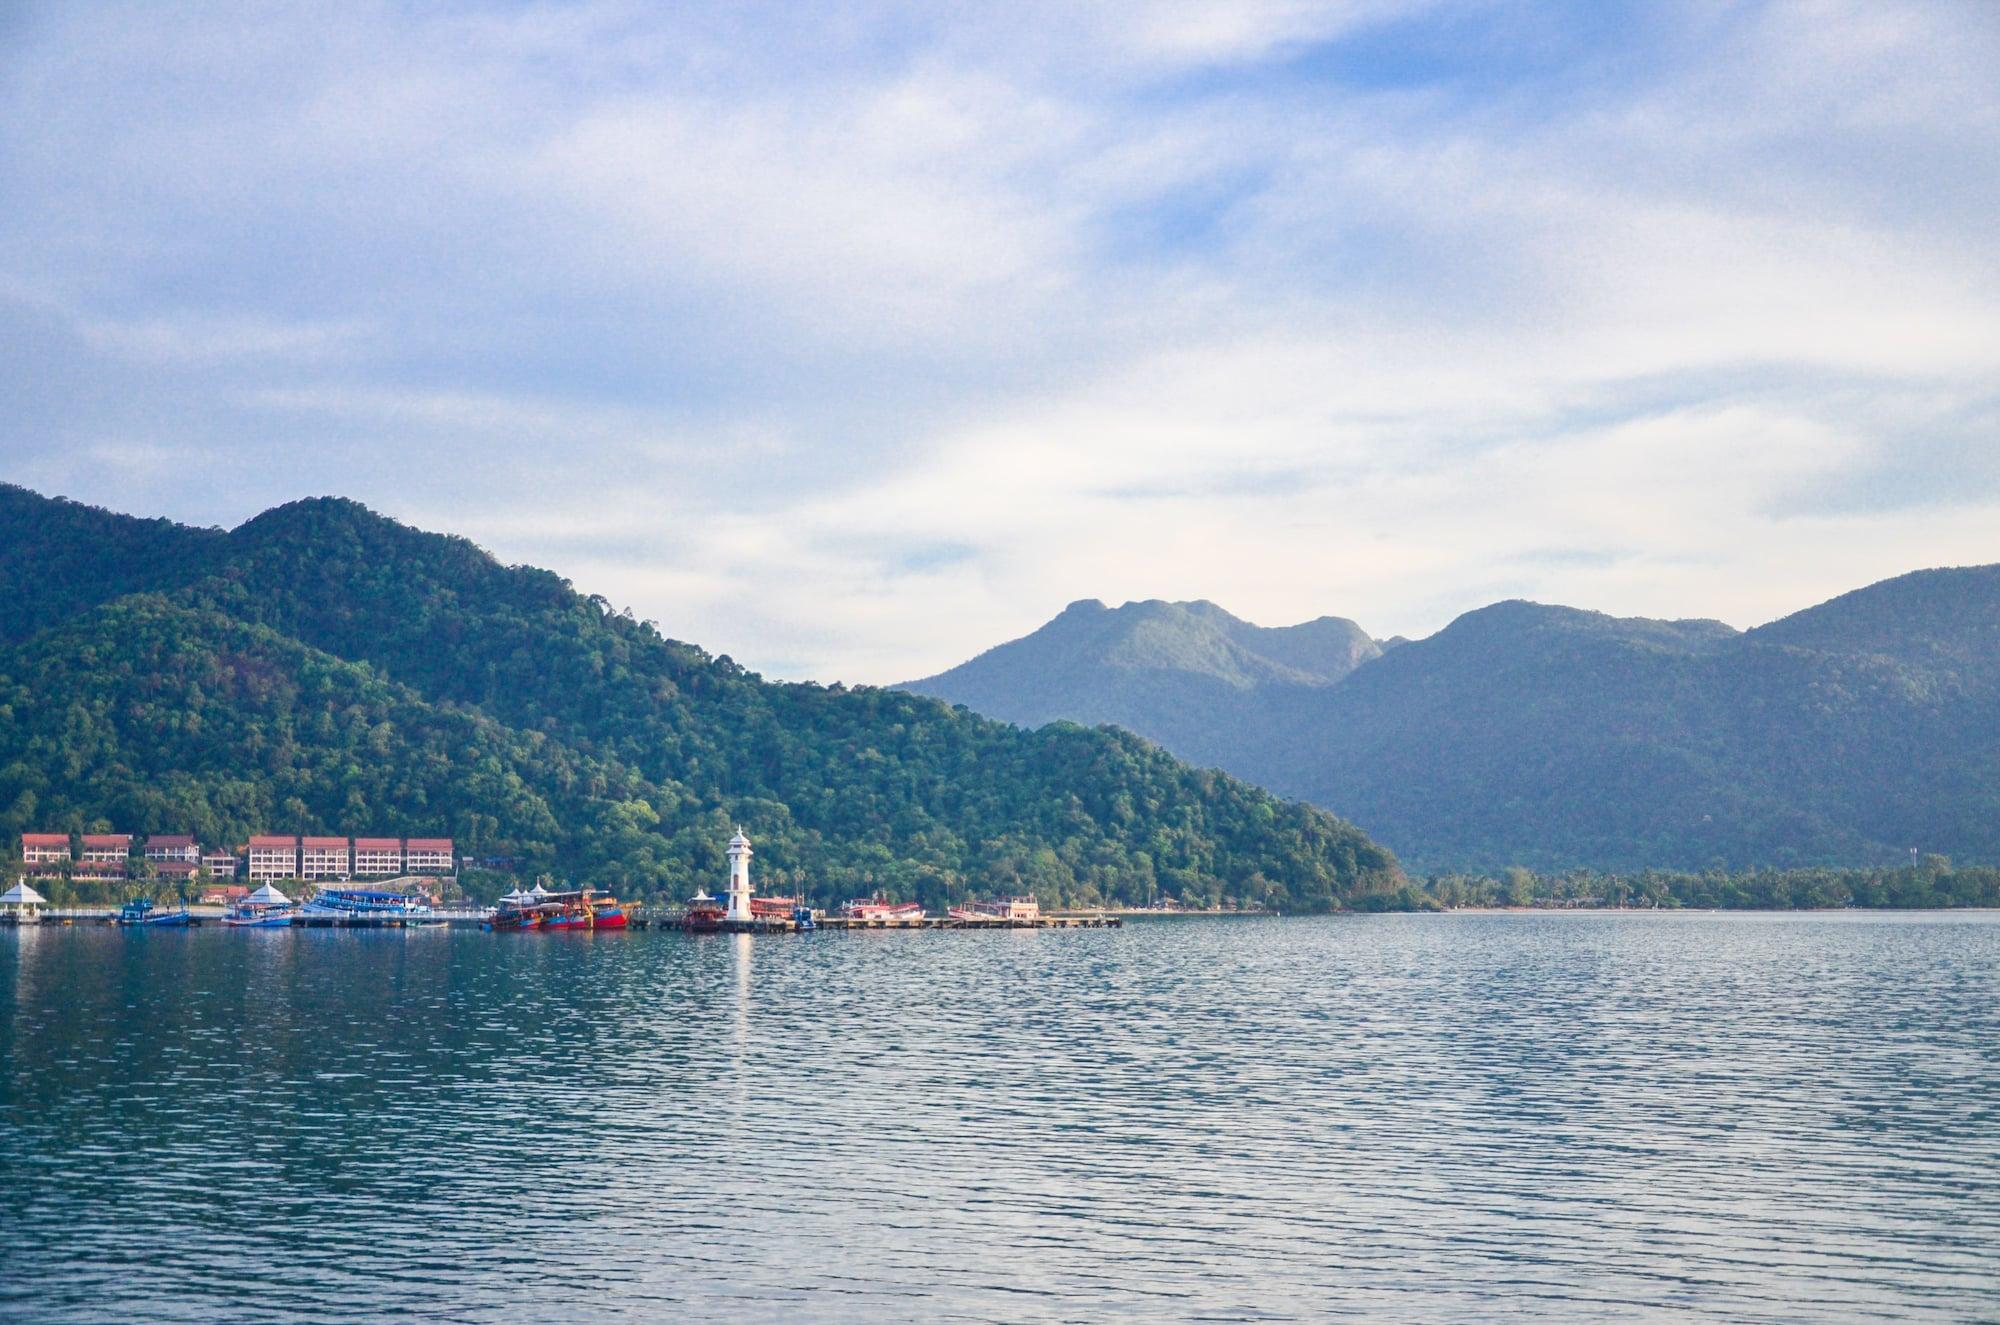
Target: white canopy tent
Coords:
[(267, 896)]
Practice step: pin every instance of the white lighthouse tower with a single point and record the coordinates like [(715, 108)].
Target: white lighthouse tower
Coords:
[(739, 877)]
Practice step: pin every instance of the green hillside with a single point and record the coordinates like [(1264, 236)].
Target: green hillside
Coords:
[(322, 668)]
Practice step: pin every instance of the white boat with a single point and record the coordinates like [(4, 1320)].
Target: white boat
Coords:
[(1024, 910)]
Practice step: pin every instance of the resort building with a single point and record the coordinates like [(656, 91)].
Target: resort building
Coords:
[(173, 847), (44, 849), (274, 858), (377, 857), (173, 855), (220, 864), (107, 848), (104, 856), (325, 858), (429, 855), (223, 894)]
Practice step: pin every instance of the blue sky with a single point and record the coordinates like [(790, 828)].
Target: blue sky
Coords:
[(852, 339)]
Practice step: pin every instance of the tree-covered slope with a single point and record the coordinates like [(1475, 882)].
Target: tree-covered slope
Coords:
[(60, 558), (410, 683), (1544, 736)]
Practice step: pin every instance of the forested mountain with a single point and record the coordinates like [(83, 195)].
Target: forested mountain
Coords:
[(1213, 689), (1553, 738), (322, 668)]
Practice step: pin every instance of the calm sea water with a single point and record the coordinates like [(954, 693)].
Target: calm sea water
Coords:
[(1450, 1118)]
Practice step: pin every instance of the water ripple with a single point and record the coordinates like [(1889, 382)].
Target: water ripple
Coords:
[(1635, 1117)]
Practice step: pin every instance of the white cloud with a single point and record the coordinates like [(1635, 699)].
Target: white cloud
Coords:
[(853, 342)]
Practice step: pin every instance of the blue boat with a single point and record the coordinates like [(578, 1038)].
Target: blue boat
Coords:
[(139, 911), (366, 908)]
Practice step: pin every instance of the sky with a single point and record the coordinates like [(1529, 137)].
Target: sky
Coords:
[(852, 339)]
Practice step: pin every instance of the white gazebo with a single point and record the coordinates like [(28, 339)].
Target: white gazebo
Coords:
[(23, 904), (267, 896)]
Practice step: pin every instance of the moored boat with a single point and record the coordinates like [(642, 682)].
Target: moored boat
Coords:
[(539, 908), (581, 908), (881, 908), (267, 908), (998, 910), (366, 908), (704, 914), (141, 911), (516, 910)]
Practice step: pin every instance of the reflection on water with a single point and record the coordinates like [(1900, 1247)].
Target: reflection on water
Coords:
[(1456, 1118)]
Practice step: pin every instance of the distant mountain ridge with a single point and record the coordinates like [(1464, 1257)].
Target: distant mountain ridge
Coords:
[(1847, 733), (1188, 675)]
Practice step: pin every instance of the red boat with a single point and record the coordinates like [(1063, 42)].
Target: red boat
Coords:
[(881, 908), (704, 914), (582, 910), (773, 908), (577, 908)]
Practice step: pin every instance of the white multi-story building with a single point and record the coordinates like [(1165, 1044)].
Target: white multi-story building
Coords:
[(220, 864), (177, 847), (377, 857), (107, 848), (45, 848), (325, 858), (274, 858), (429, 855)]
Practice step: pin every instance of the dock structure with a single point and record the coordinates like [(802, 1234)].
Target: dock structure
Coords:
[(1073, 920)]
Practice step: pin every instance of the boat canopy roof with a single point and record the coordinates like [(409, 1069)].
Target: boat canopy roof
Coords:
[(22, 895), (267, 896)]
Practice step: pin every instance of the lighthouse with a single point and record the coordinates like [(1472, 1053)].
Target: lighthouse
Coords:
[(739, 877)]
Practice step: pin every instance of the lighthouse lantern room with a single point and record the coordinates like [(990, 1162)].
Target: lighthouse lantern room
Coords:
[(739, 877)]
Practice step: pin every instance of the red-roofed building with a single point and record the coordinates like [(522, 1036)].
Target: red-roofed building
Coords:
[(223, 894), (177, 847), (429, 855), (377, 857), (45, 849), (325, 858), (274, 858), (107, 848), (104, 856), (221, 864)]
